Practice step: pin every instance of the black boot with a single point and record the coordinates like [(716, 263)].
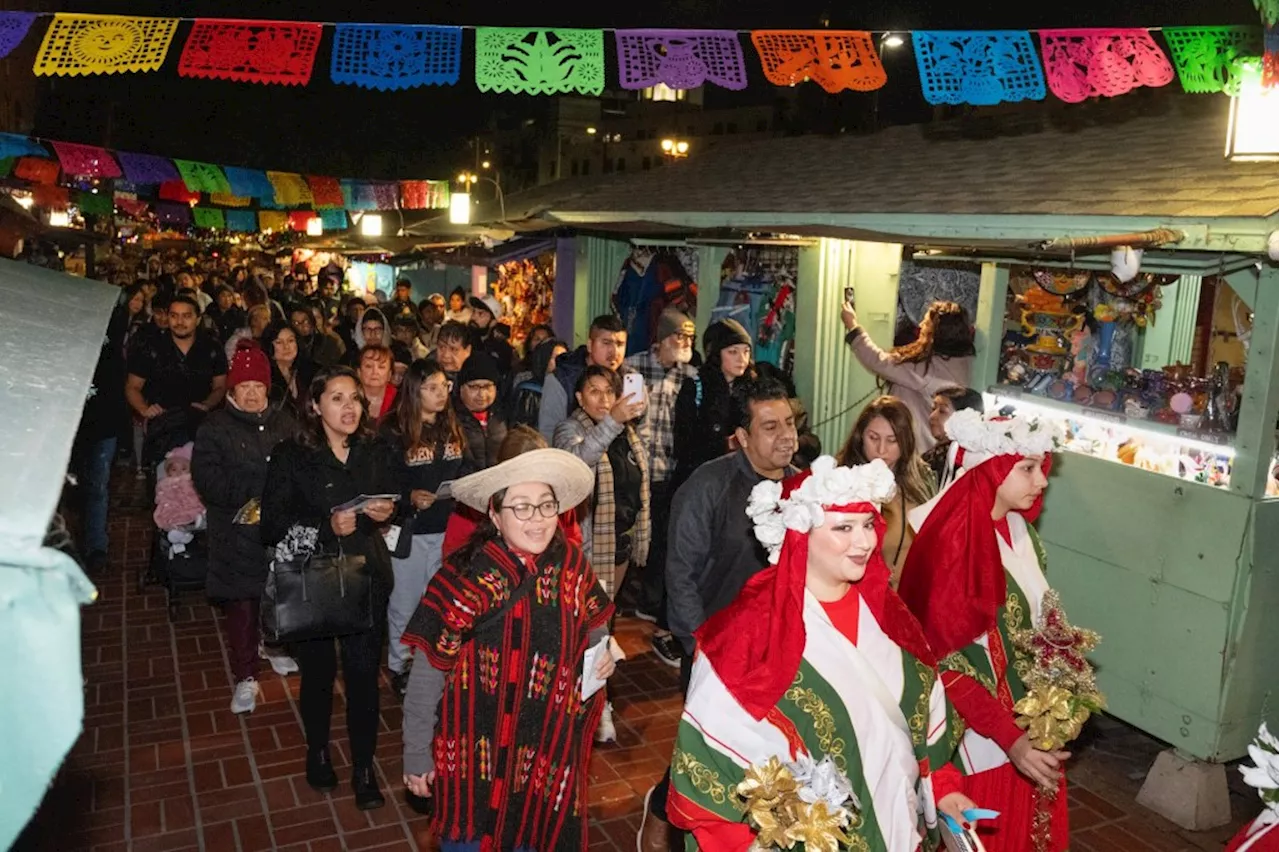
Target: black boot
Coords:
[(364, 781), (320, 774)]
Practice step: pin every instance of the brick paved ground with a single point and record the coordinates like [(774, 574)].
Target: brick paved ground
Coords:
[(164, 765)]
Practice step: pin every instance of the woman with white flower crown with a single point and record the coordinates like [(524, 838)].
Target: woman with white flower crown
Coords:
[(815, 717), (975, 579), (1263, 834)]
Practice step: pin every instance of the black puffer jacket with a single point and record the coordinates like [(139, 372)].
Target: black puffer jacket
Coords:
[(229, 467), (484, 441)]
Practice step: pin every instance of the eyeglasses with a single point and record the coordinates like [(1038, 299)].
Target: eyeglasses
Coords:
[(524, 511), (684, 338)]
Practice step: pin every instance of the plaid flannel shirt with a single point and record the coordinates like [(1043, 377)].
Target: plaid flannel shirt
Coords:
[(663, 387)]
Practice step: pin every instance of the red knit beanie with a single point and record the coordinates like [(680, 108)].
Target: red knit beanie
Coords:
[(248, 364)]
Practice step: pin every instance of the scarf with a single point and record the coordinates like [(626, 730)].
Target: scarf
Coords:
[(604, 532)]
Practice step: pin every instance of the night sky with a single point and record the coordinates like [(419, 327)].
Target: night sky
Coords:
[(353, 132)]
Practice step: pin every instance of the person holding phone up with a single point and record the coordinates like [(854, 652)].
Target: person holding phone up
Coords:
[(617, 530), (336, 458)]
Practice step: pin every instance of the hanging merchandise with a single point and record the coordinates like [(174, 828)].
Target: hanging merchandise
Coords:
[(202, 177), (325, 191), (209, 217), (146, 169), (979, 68), (103, 44), (333, 220), (1084, 63), (13, 145), (176, 190), (1205, 57), (94, 203), (243, 221), (290, 189), (681, 59), (36, 170), (273, 220), (538, 61), (250, 183), (834, 59), (13, 29), (389, 56), (226, 199), (85, 160), (173, 215), (281, 52)]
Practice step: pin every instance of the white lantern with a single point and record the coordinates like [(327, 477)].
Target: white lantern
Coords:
[(59, 219), (460, 208), (371, 225), (315, 227), (1253, 131)]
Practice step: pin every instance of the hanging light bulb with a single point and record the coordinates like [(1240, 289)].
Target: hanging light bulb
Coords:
[(460, 208)]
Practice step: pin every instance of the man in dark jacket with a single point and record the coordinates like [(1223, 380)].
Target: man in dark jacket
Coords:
[(606, 346), (229, 468), (712, 550), (485, 336), (476, 404)]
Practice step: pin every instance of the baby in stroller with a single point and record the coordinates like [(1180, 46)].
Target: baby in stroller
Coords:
[(179, 512)]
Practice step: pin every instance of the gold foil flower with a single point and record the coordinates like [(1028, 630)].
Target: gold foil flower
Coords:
[(767, 785), (819, 829)]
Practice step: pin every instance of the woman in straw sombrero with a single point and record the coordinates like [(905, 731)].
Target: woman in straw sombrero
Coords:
[(495, 728)]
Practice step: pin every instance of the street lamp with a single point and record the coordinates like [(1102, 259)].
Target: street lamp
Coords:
[(468, 180), (675, 148), (891, 40)]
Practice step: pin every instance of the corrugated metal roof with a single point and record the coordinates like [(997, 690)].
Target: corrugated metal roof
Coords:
[(1087, 159)]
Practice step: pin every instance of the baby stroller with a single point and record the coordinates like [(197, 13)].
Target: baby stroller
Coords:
[(180, 548)]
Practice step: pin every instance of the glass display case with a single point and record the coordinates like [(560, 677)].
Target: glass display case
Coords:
[(1146, 373)]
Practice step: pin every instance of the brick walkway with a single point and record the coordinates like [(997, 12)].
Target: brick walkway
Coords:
[(164, 765)]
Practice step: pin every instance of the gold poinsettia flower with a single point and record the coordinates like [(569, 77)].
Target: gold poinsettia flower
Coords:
[(818, 828), (767, 785)]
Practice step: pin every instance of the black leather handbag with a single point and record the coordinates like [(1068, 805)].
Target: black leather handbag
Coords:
[(319, 597)]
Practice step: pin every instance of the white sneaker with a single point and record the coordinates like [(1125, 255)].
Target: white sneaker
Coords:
[(607, 733), (246, 695), (281, 664)]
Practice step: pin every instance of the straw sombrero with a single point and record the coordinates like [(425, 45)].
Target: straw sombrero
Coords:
[(568, 476)]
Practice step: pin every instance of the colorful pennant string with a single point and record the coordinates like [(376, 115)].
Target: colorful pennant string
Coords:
[(390, 57), (325, 191), (1205, 57), (202, 177), (979, 68), (94, 203), (208, 217), (539, 61), (250, 183), (834, 59), (242, 221), (13, 29), (130, 204), (273, 220), (290, 189), (78, 44), (681, 59), (172, 214), (147, 168), (85, 160), (1084, 63), (36, 170), (281, 52), (333, 220), (47, 195), (358, 195), (424, 194), (298, 220), (224, 199), (386, 195), (13, 145), (176, 190)]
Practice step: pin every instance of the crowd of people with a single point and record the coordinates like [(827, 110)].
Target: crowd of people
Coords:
[(506, 506)]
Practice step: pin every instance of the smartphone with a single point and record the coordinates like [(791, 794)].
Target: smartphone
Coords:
[(633, 386), (848, 295)]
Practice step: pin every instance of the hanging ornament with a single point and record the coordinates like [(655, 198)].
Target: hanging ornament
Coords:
[(85, 160), (539, 61), (250, 183), (333, 220), (290, 189), (281, 52), (681, 59), (243, 221), (390, 57), (146, 169), (176, 190), (209, 217), (1085, 63), (1205, 57), (13, 29), (103, 44), (13, 145), (273, 220), (36, 170), (202, 177), (834, 59), (298, 220), (979, 68), (325, 191)]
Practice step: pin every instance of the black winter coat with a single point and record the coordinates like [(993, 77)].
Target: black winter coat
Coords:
[(485, 441), (305, 483), (229, 468)]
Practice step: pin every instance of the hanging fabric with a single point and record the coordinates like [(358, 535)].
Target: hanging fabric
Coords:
[(13, 145), (250, 183), (273, 220), (146, 169), (242, 221), (281, 52), (1085, 63), (834, 59), (681, 59), (290, 189), (85, 160), (333, 220), (176, 190), (13, 29), (325, 191), (202, 177), (209, 217), (979, 68), (78, 44), (1205, 57), (36, 170), (47, 195), (224, 199), (539, 61), (390, 57)]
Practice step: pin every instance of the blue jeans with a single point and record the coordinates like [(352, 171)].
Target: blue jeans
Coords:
[(97, 478)]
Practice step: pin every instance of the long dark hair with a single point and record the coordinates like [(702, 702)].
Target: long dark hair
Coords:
[(311, 434), (487, 531), (408, 422), (945, 331), (910, 470)]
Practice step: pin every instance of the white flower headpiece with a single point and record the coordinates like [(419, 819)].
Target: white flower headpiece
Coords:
[(992, 436), (1264, 774), (827, 485)]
